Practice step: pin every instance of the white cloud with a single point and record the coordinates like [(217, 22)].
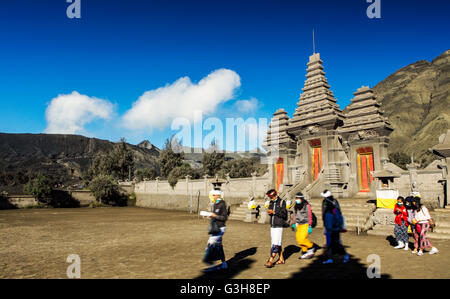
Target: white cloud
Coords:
[(69, 113), (247, 106), (157, 108)]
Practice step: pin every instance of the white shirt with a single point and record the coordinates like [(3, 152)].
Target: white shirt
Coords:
[(423, 215)]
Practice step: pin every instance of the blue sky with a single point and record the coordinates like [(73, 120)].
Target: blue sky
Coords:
[(119, 50)]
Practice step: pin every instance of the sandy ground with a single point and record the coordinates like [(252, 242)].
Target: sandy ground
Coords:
[(142, 243)]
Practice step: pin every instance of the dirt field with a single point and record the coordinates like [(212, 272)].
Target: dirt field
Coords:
[(143, 243)]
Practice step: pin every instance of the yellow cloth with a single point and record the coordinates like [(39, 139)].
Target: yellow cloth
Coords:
[(387, 198), (387, 203), (302, 237)]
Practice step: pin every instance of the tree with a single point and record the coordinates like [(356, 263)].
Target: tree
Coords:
[(168, 159), (212, 161), (40, 187), (145, 173), (241, 168), (106, 190), (118, 163), (400, 159), (178, 173)]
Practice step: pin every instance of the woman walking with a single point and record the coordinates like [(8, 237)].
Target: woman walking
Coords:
[(219, 215), (422, 222), (401, 224), (303, 222), (278, 216)]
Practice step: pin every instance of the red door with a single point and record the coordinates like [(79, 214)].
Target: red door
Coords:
[(365, 166), (316, 157), (279, 167)]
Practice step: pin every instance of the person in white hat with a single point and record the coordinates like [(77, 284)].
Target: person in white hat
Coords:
[(333, 223), (278, 216), (214, 250)]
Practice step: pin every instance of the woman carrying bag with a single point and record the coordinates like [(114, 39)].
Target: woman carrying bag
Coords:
[(422, 222), (214, 249)]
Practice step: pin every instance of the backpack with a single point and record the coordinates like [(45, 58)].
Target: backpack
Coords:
[(314, 220), (288, 221), (338, 219)]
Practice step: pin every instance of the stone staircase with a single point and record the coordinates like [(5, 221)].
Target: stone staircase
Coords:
[(441, 231), (357, 212), (239, 213)]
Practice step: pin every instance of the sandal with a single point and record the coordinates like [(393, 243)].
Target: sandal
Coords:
[(280, 262), (269, 264)]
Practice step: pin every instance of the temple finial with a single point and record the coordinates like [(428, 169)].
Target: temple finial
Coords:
[(314, 44)]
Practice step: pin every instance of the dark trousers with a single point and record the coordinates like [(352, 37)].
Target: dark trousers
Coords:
[(335, 246)]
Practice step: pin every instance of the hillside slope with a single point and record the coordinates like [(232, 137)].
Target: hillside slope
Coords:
[(416, 99), (64, 157)]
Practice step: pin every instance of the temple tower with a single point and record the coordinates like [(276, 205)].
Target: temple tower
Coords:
[(320, 158), (366, 133), (280, 149)]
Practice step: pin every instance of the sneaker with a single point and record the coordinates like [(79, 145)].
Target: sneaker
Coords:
[(329, 261), (406, 247), (346, 258), (414, 251), (309, 254), (400, 245), (434, 250), (420, 253), (210, 269)]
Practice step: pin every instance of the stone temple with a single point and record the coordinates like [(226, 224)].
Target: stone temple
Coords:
[(323, 147)]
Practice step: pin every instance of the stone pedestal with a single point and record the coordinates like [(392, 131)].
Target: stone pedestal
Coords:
[(264, 218), (384, 217)]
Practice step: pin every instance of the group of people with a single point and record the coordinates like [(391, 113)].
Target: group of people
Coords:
[(411, 213), (301, 221)]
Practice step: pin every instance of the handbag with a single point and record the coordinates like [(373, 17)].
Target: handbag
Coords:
[(432, 223), (213, 228)]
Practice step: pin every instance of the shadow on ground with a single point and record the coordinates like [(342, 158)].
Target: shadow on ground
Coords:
[(353, 269), (393, 242), (238, 263)]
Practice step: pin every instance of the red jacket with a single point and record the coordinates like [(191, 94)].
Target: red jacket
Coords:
[(403, 214)]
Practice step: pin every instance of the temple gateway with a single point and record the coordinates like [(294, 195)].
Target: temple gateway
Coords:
[(322, 147)]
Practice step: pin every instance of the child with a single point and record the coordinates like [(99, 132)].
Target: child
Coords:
[(401, 224)]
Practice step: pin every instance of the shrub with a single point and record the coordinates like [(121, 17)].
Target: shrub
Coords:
[(40, 187), (106, 190), (179, 172), (145, 173)]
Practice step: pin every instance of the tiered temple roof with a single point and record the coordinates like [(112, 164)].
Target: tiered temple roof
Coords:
[(277, 133), (317, 105), (364, 114)]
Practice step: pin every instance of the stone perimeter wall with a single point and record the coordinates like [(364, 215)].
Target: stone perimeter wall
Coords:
[(184, 197), (427, 183)]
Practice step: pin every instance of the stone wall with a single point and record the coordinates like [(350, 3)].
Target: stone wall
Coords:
[(427, 183), (85, 197), (187, 193), (20, 201)]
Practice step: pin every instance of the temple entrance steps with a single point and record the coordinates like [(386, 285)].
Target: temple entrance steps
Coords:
[(357, 212), (442, 230), (241, 211)]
